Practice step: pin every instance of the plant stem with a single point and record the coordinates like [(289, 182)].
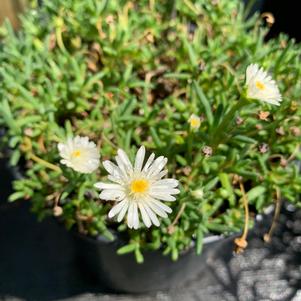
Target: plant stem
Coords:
[(171, 228), (241, 242), (245, 200), (43, 162), (59, 39), (189, 145), (267, 237), (295, 152)]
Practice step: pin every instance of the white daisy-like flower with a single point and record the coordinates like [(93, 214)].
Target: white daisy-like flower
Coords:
[(261, 86), (80, 154), (138, 188), (194, 121)]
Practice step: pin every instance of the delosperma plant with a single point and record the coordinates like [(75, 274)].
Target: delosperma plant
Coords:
[(200, 114)]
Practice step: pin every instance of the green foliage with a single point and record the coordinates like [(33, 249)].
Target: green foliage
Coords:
[(126, 73)]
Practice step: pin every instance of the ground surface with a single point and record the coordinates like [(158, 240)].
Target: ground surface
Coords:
[(37, 263)]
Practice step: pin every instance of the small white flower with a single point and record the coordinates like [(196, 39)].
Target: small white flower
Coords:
[(80, 154), (194, 121), (198, 194), (138, 187), (261, 86)]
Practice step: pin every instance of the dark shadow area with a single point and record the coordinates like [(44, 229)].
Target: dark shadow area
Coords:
[(6, 178), (265, 271), (287, 17), (285, 14), (37, 260)]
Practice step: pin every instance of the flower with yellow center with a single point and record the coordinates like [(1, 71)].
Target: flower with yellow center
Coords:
[(80, 154), (137, 188), (194, 121), (261, 86)]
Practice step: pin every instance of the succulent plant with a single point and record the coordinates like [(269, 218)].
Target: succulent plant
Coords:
[(169, 75)]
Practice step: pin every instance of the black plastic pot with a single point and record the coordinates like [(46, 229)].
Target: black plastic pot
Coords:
[(121, 273)]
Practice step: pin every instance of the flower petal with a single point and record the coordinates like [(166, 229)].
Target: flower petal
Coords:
[(145, 218), (161, 205), (123, 168), (164, 191), (113, 169), (101, 185), (162, 196), (161, 175), (130, 218), (111, 195), (123, 211), (157, 166), (158, 210), (125, 159), (136, 217), (152, 215), (117, 208), (148, 162), (139, 158), (167, 182)]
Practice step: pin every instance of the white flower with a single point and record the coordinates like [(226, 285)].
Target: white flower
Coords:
[(194, 121), (138, 187), (80, 154), (198, 194), (261, 86)]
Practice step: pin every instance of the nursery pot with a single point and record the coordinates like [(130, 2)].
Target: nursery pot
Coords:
[(121, 273)]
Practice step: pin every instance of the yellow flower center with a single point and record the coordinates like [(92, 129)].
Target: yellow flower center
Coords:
[(139, 186), (194, 122), (260, 85), (76, 153)]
